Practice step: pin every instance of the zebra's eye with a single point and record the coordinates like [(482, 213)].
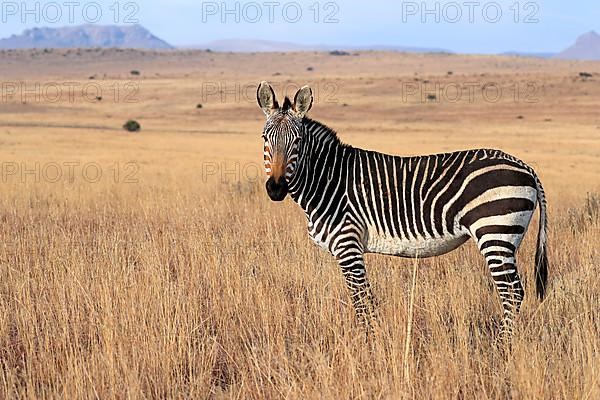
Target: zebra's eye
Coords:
[(263, 136)]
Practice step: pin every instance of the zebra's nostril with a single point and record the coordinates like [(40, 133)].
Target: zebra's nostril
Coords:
[(277, 189), (271, 184), (282, 183)]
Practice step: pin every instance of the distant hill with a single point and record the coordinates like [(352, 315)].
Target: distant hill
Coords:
[(106, 36), (586, 47), (528, 54), (249, 45)]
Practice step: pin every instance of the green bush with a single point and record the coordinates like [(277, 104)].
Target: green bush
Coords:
[(132, 126)]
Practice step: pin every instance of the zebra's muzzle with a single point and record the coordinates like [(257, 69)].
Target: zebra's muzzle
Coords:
[(277, 189)]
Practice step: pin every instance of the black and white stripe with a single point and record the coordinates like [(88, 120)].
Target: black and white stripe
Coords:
[(358, 201)]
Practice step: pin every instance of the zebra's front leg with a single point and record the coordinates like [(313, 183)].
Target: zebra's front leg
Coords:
[(352, 263)]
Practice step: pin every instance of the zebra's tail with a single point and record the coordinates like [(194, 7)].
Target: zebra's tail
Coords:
[(541, 254)]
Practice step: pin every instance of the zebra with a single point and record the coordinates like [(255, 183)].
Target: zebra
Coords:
[(360, 201)]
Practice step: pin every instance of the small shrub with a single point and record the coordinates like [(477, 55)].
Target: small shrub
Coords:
[(135, 72), (199, 106), (132, 126), (339, 53)]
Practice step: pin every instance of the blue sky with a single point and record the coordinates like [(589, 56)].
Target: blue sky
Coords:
[(462, 25)]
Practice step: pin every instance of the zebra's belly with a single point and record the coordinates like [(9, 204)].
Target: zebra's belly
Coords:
[(414, 247)]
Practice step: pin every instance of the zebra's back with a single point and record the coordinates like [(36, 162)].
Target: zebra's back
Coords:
[(429, 205)]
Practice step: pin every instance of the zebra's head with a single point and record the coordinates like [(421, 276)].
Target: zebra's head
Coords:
[(282, 133)]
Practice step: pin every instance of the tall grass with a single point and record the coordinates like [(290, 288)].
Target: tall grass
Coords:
[(191, 291)]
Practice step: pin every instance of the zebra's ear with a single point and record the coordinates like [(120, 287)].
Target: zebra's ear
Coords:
[(303, 101), (265, 96)]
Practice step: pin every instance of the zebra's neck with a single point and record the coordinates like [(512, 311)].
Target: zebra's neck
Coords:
[(320, 157)]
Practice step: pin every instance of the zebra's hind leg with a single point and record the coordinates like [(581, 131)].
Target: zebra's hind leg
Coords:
[(500, 258), (510, 289), (498, 227)]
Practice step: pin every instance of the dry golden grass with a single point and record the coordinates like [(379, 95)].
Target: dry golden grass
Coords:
[(188, 285)]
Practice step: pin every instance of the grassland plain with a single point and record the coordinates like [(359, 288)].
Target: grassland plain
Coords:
[(171, 275)]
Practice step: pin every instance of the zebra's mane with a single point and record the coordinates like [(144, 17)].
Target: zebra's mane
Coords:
[(323, 131), (287, 104)]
